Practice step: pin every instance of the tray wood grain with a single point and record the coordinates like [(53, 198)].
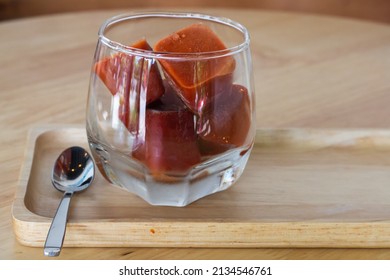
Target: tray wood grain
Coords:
[(301, 188)]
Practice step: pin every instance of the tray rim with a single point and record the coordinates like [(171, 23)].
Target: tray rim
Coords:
[(295, 233)]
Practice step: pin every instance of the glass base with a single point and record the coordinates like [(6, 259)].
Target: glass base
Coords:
[(212, 176)]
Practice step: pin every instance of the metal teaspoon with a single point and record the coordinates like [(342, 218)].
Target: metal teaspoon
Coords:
[(73, 171)]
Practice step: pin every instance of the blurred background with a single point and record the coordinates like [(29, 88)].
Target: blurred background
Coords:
[(374, 10)]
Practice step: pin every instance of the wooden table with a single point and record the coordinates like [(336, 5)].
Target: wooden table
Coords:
[(310, 71)]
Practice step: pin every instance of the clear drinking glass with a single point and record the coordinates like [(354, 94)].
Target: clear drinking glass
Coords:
[(170, 113)]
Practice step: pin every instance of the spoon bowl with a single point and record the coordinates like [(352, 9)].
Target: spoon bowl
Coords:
[(73, 171)]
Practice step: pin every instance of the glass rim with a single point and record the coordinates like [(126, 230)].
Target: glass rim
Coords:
[(174, 55)]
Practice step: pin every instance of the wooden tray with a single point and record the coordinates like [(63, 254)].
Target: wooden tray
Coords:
[(301, 188)]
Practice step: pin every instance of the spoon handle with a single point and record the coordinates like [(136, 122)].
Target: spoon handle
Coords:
[(56, 234)]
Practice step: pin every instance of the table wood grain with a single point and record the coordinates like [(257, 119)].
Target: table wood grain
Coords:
[(310, 71)]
